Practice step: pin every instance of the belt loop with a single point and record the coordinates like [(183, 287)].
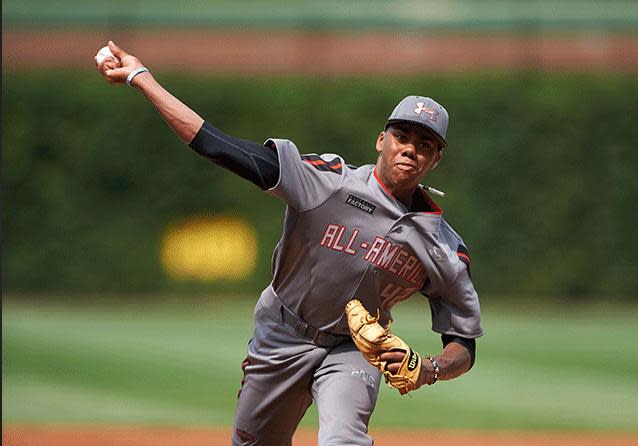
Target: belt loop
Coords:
[(301, 327)]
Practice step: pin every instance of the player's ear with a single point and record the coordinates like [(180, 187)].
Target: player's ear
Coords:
[(380, 139), (437, 159)]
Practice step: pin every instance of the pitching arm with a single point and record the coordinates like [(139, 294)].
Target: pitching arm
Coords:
[(179, 117), (254, 162)]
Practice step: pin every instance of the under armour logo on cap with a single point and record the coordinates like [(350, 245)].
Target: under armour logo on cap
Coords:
[(420, 107), (422, 111)]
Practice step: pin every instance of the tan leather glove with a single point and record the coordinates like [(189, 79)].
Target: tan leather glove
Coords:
[(372, 339)]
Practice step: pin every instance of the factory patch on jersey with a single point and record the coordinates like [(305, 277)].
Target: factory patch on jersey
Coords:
[(320, 164), (360, 203)]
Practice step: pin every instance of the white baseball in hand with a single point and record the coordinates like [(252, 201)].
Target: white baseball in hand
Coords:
[(103, 54)]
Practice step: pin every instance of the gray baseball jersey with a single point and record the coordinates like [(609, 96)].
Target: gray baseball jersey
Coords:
[(345, 236)]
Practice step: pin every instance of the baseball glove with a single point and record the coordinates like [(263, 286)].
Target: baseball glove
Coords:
[(372, 339)]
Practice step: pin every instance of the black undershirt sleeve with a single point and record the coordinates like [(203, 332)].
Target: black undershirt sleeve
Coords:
[(255, 162), (469, 344)]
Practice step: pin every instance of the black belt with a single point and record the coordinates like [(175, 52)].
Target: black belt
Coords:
[(303, 329)]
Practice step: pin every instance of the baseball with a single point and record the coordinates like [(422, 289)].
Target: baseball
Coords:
[(103, 54)]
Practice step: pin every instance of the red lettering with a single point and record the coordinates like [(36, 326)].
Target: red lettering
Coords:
[(336, 246), (349, 249), (382, 253), (376, 248), (329, 236), (393, 294), (398, 261), (386, 256), (407, 267)]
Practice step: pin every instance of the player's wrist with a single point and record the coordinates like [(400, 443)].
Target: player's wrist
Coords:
[(137, 75), (432, 370)]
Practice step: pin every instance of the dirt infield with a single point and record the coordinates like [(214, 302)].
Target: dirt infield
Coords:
[(337, 53), (114, 436)]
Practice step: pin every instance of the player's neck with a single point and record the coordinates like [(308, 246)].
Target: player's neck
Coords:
[(405, 196)]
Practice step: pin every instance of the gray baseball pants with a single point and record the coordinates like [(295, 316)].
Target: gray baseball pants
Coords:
[(284, 373)]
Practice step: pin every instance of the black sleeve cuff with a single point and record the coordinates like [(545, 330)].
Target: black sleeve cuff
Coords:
[(469, 344)]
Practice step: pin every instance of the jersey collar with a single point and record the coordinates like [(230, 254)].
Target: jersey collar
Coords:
[(430, 207)]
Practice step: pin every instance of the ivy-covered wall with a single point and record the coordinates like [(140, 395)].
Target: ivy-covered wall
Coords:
[(541, 174)]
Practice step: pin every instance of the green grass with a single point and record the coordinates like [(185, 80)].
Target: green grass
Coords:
[(178, 363)]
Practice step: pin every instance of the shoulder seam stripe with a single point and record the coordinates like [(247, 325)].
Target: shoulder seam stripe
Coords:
[(464, 256), (321, 164)]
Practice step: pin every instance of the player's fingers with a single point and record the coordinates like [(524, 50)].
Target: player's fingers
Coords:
[(117, 51), (390, 357), (112, 64), (125, 59), (105, 66), (108, 64), (393, 368), (117, 75), (101, 67)]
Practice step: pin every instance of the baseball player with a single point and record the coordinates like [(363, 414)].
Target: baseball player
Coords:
[(370, 233)]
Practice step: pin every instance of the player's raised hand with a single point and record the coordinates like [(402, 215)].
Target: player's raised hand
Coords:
[(116, 73)]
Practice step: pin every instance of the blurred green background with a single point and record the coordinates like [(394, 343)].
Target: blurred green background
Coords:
[(540, 177)]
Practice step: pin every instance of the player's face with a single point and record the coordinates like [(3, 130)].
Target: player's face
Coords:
[(406, 153)]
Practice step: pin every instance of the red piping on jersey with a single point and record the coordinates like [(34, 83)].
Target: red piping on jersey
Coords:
[(465, 256), (387, 191), (433, 205), (315, 162), (321, 162)]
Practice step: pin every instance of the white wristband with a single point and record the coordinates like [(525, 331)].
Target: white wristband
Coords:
[(134, 73)]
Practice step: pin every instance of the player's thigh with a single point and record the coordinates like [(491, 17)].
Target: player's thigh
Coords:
[(345, 390), (275, 391), (269, 410)]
